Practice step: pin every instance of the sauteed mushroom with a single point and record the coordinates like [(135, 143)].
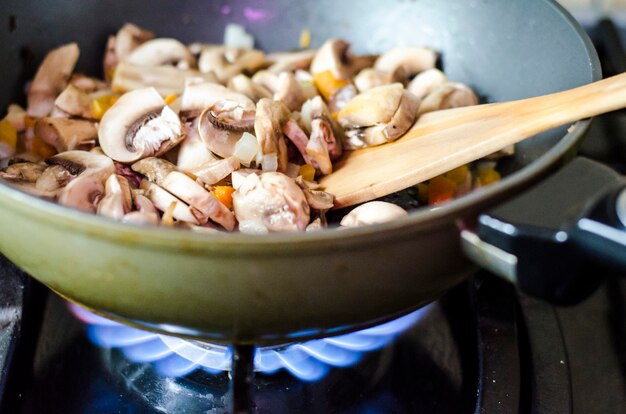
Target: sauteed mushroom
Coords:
[(139, 125), (373, 212), (407, 61), (448, 95), (66, 134), (51, 78), (270, 202), (270, 118), (162, 51)]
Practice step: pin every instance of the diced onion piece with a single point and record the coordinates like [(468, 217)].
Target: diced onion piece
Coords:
[(236, 36), (246, 149)]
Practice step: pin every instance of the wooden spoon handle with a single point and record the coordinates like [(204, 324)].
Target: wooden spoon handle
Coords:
[(443, 140)]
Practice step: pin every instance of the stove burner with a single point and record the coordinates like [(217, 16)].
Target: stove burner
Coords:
[(309, 361)]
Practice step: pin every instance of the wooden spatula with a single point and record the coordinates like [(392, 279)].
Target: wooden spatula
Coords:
[(443, 140)]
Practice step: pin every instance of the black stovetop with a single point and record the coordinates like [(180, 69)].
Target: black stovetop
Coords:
[(481, 348)]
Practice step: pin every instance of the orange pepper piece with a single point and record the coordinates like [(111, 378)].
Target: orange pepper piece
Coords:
[(41, 148), (224, 194), (327, 84), (307, 172), (488, 176), (458, 175), (170, 98), (440, 190)]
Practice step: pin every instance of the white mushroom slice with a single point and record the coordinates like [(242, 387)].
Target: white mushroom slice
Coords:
[(270, 118), (192, 152), (82, 193), (284, 86), (112, 205), (154, 169), (290, 61), (319, 200), (163, 51), (75, 102), (219, 141), (162, 200), (375, 106), (410, 60), (216, 171), (66, 134), (51, 78), (322, 126), (226, 62), (370, 78), (167, 80), (404, 117), (144, 205), (139, 125), (298, 137), (270, 202), (373, 212), (197, 197), (401, 121), (426, 82), (117, 184), (317, 149), (334, 56), (84, 163), (448, 95), (28, 172), (200, 95), (128, 38), (141, 218), (53, 179), (244, 85), (87, 83)]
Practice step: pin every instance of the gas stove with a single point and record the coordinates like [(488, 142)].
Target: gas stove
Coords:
[(483, 347)]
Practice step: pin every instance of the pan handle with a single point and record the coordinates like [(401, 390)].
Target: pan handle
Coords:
[(559, 240)]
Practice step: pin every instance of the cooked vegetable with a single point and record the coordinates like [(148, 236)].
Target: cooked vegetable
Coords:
[(221, 137)]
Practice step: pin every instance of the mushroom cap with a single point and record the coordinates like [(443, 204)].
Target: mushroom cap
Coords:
[(374, 106), (426, 82), (373, 212), (411, 60), (271, 201), (200, 95), (333, 56), (448, 95), (139, 125), (162, 51)]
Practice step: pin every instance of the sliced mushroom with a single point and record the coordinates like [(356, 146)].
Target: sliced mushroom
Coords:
[(226, 62), (28, 172), (139, 125), (271, 116), (91, 170), (298, 137), (51, 78), (317, 148), (229, 105), (322, 126), (87, 83), (379, 115), (373, 212), (154, 169), (145, 212), (163, 51), (448, 95), (290, 61), (426, 82), (407, 60), (53, 179), (167, 80), (197, 197), (334, 56), (284, 86), (192, 152), (370, 78), (319, 200), (375, 106), (243, 84), (270, 202), (117, 184), (66, 134), (162, 200), (128, 38), (75, 102), (214, 172)]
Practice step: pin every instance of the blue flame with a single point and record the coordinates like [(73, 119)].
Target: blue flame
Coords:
[(308, 361)]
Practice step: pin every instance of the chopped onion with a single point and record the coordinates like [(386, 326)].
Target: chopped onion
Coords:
[(236, 36), (270, 162), (246, 149)]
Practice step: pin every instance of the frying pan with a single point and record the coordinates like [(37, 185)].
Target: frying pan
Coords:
[(278, 287)]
